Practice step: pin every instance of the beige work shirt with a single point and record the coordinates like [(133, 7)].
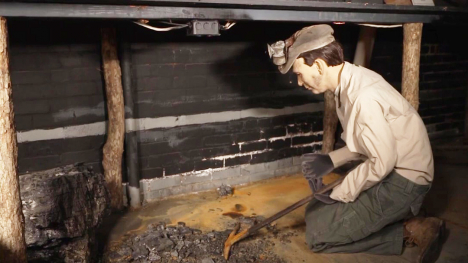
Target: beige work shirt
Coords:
[(381, 125)]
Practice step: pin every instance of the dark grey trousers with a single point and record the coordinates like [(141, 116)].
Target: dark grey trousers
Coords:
[(371, 224)]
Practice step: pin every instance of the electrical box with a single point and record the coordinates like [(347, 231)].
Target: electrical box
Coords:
[(203, 28)]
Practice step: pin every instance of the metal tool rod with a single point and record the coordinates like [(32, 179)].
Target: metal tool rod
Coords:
[(293, 207)]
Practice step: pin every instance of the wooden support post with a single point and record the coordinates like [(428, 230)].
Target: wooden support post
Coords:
[(412, 33), (12, 244), (330, 121), (364, 46), (113, 149)]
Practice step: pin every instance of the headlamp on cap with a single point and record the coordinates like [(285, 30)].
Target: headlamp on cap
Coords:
[(277, 51), (284, 53)]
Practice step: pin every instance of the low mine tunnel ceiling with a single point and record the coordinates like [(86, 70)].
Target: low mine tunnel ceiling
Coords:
[(261, 10)]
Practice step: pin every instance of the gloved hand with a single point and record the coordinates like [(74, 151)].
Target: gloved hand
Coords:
[(314, 167)]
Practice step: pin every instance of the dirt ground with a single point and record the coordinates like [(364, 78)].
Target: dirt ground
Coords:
[(208, 211)]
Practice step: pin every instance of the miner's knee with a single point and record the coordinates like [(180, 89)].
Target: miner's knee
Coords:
[(312, 220)]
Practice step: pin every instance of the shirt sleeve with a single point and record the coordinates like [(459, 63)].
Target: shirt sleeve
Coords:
[(344, 155), (374, 139)]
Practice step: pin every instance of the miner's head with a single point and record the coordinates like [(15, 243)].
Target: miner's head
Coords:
[(312, 67), (313, 54)]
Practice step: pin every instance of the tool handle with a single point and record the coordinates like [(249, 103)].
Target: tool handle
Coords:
[(293, 207)]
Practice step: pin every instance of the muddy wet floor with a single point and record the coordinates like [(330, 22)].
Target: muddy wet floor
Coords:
[(211, 217)]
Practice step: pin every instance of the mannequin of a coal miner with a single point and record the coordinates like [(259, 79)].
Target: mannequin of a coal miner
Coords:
[(373, 210)]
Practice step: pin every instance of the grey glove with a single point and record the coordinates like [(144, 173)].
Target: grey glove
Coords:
[(314, 167)]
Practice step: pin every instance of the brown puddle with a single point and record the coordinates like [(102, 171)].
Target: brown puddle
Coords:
[(240, 208), (233, 214)]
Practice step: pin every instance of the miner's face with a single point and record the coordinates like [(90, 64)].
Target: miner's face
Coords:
[(311, 77)]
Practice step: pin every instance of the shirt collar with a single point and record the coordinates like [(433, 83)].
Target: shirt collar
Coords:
[(343, 79)]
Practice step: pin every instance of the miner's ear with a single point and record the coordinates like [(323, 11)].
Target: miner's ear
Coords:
[(321, 65)]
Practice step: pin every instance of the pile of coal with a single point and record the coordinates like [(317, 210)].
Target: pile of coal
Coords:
[(225, 190), (162, 243), (62, 208)]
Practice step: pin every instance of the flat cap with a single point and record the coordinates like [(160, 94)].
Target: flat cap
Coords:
[(304, 40)]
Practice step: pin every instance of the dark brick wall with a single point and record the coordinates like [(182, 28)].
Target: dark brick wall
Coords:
[(55, 73), (178, 75), (40, 155), (443, 74), (175, 74), (191, 148), (57, 82)]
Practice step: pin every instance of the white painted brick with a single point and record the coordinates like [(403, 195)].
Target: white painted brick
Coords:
[(218, 183), (198, 187), (230, 172), (233, 181), (153, 195), (271, 166), (296, 169), (284, 163), (157, 189), (146, 198), (288, 171), (162, 183), (205, 176), (252, 168), (262, 176), (145, 185), (181, 189), (238, 180), (297, 160)]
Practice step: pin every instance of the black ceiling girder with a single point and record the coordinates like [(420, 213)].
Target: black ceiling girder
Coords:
[(265, 4), (258, 10)]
